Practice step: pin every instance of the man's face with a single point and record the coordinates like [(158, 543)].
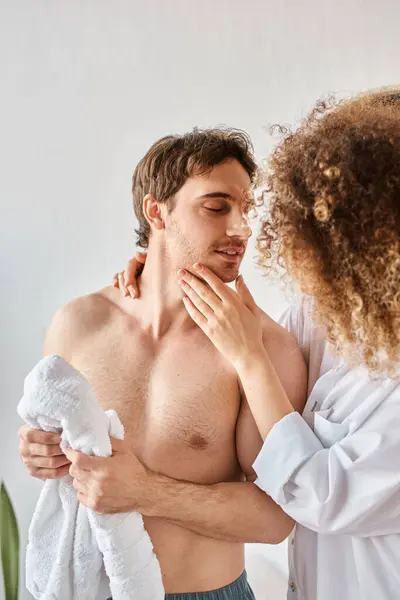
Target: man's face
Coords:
[(208, 223)]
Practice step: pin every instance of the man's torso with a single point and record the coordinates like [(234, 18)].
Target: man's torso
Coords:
[(179, 403)]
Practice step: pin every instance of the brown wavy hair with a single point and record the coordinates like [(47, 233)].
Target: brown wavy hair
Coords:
[(333, 222), (174, 158)]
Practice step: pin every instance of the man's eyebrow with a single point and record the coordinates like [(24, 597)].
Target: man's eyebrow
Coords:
[(215, 195)]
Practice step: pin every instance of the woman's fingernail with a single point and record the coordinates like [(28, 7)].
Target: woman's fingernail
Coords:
[(197, 267), (181, 272)]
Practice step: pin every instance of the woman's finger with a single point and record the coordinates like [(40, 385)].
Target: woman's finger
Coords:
[(141, 257), (214, 282), (121, 282), (196, 315), (245, 294), (203, 291), (201, 306), (130, 280), (133, 270), (133, 290), (135, 267)]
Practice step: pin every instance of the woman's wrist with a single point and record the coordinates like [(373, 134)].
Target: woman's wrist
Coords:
[(252, 362)]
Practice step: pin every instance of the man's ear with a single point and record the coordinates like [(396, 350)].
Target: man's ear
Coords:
[(153, 212)]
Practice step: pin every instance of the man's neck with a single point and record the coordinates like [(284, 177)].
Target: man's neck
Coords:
[(161, 298)]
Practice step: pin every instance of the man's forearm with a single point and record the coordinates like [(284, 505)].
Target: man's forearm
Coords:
[(236, 512)]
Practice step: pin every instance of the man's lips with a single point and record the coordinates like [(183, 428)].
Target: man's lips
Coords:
[(231, 253), (232, 250)]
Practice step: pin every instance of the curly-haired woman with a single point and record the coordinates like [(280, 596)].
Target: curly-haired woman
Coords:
[(333, 223)]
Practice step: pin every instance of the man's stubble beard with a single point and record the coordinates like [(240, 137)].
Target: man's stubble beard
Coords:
[(187, 255)]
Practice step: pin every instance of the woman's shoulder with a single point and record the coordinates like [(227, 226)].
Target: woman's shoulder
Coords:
[(311, 337), (298, 319)]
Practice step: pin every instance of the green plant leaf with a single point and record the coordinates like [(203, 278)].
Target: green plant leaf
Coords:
[(9, 543)]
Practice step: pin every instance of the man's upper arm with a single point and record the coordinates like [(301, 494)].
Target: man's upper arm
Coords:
[(289, 364), (288, 361), (248, 439)]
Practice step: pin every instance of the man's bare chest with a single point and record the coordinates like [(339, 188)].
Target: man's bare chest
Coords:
[(179, 403)]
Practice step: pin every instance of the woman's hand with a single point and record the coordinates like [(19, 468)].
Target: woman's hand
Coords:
[(232, 320), (126, 280)]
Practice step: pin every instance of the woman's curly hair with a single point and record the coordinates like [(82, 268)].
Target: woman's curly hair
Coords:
[(333, 222)]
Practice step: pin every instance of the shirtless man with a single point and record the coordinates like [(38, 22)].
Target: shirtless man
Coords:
[(190, 439)]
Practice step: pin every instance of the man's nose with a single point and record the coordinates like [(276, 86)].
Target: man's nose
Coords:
[(238, 226)]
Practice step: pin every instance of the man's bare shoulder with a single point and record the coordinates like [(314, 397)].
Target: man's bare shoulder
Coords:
[(287, 359), (277, 337), (78, 319), (85, 311)]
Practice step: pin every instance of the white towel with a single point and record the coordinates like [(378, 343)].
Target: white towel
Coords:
[(75, 553)]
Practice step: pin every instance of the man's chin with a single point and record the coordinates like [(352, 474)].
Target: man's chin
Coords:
[(226, 273), (228, 278)]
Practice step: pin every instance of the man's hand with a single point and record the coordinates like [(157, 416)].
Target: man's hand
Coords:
[(126, 280), (234, 512), (116, 484), (41, 453)]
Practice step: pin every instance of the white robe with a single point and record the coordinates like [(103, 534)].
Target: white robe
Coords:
[(336, 471)]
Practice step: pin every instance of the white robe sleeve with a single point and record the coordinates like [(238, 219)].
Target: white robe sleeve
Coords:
[(344, 476), (352, 487)]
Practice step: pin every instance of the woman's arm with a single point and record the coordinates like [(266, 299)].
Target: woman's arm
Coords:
[(332, 479), (351, 487)]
